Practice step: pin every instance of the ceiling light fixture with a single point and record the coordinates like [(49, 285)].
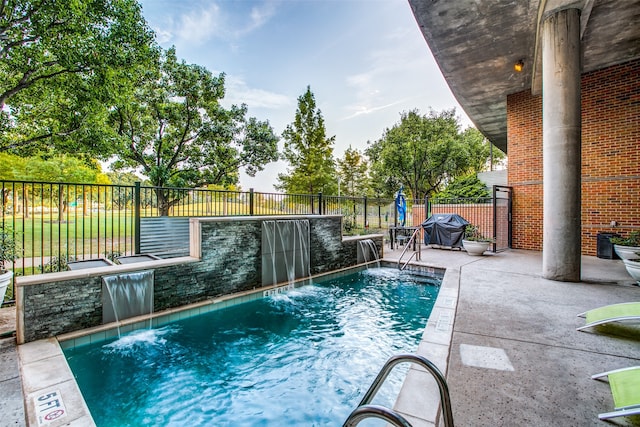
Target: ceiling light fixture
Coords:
[(518, 66)]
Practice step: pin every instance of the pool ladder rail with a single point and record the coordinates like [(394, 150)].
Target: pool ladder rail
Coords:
[(415, 253), (366, 410)]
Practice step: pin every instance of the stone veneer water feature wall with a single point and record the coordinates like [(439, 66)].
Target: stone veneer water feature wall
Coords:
[(225, 259)]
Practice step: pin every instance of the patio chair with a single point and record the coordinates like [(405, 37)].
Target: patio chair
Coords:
[(611, 313), (625, 388)]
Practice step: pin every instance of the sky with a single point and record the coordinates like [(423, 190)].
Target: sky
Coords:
[(366, 62)]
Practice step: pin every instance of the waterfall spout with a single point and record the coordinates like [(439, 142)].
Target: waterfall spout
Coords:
[(127, 295), (285, 251), (368, 252)]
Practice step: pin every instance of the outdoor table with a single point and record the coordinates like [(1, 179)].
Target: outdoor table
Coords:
[(401, 234)]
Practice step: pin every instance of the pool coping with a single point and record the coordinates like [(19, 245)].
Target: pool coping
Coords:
[(47, 377), (419, 397)]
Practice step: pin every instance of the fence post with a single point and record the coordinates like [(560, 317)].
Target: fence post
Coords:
[(427, 207), (251, 201), (319, 203), (395, 214), (366, 224), (495, 222), (136, 216)]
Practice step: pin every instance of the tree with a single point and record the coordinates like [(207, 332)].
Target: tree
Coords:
[(60, 61), (479, 156), (419, 152), (383, 183), (424, 153), (308, 151), (353, 173), (11, 167), (61, 169), (465, 187), (174, 129), (124, 178)]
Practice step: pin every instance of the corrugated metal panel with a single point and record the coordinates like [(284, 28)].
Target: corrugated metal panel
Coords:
[(165, 237)]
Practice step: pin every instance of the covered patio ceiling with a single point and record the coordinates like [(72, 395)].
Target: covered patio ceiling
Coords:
[(477, 42)]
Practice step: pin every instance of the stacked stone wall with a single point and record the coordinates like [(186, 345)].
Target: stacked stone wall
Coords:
[(54, 306), (230, 263)]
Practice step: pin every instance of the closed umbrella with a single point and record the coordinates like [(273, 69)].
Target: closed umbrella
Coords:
[(401, 205)]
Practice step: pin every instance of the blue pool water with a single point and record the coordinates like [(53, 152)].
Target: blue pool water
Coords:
[(304, 358)]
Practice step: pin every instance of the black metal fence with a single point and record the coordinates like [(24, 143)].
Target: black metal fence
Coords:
[(56, 223)]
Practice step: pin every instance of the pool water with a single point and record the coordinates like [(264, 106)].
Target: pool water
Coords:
[(303, 358)]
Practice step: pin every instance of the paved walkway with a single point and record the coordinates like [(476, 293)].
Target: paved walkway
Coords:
[(11, 407), (516, 358)]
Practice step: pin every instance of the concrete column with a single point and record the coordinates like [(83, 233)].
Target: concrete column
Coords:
[(561, 125)]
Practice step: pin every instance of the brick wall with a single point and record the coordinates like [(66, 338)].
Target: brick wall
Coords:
[(610, 157), (480, 215)]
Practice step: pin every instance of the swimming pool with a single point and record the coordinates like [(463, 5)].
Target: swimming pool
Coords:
[(305, 357)]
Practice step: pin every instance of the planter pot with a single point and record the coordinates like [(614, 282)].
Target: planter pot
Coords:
[(5, 280), (626, 252), (633, 268), (474, 247)]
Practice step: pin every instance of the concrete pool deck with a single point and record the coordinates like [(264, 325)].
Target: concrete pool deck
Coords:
[(515, 357)]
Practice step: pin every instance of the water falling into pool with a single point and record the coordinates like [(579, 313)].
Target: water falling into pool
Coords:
[(127, 295), (285, 251), (368, 251)]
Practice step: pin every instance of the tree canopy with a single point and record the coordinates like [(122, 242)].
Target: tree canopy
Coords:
[(59, 62), (419, 152), (423, 153), (353, 173), (479, 151), (308, 151), (464, 187), (174, 129), (58, 168)]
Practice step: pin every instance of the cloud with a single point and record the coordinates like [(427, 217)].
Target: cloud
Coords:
[(259, 16), (238, 92), (360, 80), (216, 20), (200, 25), (368, 109), (367, 95), (163, 36), (389, 68)]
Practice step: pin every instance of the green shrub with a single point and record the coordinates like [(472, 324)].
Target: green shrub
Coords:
[(57, 263), (633, 239), (9, 251), (472, 232)]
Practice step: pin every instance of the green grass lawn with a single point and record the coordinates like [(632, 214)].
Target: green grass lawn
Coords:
[(97, 232), (45, 235)]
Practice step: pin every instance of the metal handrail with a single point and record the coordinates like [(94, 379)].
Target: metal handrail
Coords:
[(406, 246), (376, 411), (425, 363), (408, 261)]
